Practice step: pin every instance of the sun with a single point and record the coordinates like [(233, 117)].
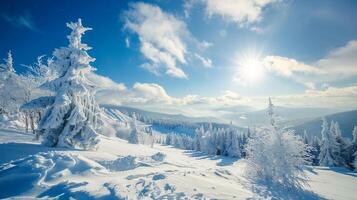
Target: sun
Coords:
[(250, 70)]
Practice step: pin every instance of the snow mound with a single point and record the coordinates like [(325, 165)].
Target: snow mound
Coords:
[(132, 162), (121, 164), (39, 170)]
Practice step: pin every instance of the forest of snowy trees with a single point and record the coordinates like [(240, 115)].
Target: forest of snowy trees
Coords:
[(331, 149), (56, 101)]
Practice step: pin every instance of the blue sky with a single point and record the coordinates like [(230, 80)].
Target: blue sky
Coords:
[(234, 53)]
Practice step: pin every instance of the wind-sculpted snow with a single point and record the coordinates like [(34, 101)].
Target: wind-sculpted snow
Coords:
[(43, 170), (132, 162), (53, 174)]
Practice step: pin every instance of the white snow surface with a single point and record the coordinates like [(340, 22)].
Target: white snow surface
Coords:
[(119, 170)]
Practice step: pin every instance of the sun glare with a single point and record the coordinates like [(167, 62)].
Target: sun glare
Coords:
[(250, 70)]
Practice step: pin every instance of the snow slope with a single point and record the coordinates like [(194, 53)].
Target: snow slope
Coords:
[(119, 170)]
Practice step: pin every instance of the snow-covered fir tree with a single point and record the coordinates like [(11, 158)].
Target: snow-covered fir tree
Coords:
[(74, 117), (343, 144), (354, 135), (134, 133), (9, 63), (315, 151), (234, 150), (306, 138), (271, 113), (284, 157), (352, 149), (329, 149), (198, 134), (12, 94)]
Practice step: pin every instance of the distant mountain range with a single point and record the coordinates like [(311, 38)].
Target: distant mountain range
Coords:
[(285, 116), (347, 120), (165, 123), (299, 119), (162, 116)]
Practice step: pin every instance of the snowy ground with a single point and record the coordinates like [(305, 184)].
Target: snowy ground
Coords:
[(119, 170)]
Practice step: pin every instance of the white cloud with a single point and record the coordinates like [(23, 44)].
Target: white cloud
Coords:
[(21, 21), (205, 61), (154, 97), (151, 92), (242, 12), (105, 83), (288, 67), (341, 61), (163, 38), (338, 65), (291, 68), (336, 97)]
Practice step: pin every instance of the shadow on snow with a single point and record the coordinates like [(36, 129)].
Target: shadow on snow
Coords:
[(222, 160), (269, 190)]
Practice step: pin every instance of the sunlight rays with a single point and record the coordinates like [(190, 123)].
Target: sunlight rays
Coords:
[(249, 69)]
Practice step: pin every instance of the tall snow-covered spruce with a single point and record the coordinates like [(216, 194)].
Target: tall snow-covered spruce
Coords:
[(134, 134), (329, 150), (277, 155), (73, 118)]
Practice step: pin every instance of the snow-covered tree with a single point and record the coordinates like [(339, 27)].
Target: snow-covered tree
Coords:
[(277, 155), (198, 134), (329, 150), (12, 92), (134, 133), (234, 150), (33, 78), (343, 144), (306, 138), (315, 151), (354, 135), (151, 138), (271, 113), (74, 117), (352, 149), (9, 66)]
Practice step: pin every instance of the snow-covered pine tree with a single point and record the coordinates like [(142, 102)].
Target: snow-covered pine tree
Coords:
[(271, 113), (12, 92), (73, 118), (315, 151), (354, 135), (234, 149), (343, 143), (151, 137), (306, 138), (198, 135), (352, 149), (329, 149), (134, 134), (10, 63), (284, 157)]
